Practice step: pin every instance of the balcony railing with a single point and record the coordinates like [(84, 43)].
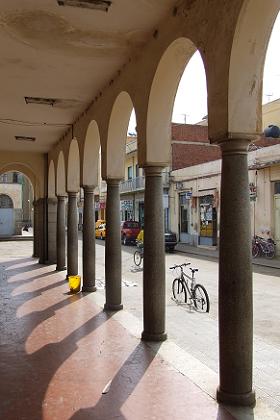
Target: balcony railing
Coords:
[(134, 184), (138, 183)]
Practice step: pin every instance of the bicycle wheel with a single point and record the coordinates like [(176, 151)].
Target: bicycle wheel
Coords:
[(270, 251), (137, 258), (201, 299), (255, 250), (179, 291)]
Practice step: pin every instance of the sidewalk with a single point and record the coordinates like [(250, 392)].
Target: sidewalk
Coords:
[(63, 357), (214, 255)]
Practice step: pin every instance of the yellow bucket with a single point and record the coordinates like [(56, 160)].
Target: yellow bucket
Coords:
[(74, 283)]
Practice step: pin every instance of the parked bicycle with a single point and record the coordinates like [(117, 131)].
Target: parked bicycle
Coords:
[(186, 290), (139, 253), (262, 247)]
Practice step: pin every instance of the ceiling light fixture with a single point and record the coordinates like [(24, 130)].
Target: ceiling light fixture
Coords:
[(87, 4), (40, 101), (25, 138)]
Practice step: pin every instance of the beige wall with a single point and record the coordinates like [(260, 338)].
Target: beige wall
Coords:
[(271, 113)]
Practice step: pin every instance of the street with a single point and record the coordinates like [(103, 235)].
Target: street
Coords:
[(195, 335)]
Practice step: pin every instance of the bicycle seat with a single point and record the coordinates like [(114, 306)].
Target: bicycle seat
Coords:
[(193, 270)]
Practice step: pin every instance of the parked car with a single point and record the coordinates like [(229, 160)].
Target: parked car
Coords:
[(170, 239), (100, 231), (99, 222), (129, 231)]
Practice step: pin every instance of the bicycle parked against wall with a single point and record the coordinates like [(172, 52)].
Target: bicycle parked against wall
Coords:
[(139, 253), (186, 290), (262, 247)]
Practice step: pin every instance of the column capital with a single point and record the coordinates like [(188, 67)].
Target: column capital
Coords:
[(61, 197), (72, 193), (153, 170), (52, 200), (89, 189), (113, 181), (235, 146)]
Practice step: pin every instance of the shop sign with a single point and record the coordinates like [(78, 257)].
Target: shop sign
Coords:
[(185, 196), (252, 191), (102, 202), (179, 185)]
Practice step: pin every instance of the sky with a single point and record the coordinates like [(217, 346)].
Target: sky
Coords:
[(191, 100)]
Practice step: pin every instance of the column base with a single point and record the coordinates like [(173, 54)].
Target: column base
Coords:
[(89, 289), (153, 337), (109, 307), (61, 268), (244, 400)]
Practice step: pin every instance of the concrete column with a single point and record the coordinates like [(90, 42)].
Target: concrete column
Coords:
[(88, 241), (113, 270), (52, 218), (35, 230), (60, 234), (72, 235), (154, 258), (235, 278)]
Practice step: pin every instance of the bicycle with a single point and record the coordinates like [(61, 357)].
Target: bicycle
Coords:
[(194, 295), (139, 253), (263, 247)]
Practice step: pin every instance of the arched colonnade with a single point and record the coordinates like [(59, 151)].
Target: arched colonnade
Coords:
[(234, 69)]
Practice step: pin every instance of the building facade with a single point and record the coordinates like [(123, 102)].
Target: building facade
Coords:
[(195, 183)]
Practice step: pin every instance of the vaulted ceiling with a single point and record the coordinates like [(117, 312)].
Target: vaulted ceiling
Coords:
[(64, 53)]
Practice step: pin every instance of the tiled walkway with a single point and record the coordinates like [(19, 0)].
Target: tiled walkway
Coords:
[(62, 357)]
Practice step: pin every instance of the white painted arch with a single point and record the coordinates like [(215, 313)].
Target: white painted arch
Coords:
[(248, 52), (61, 175), (51, 180), (117, 134), (91, 156), (161, 100), (73, 167)]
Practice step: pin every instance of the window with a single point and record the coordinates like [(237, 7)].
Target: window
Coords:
[(5, 202), (4, 178), (129, 172), (277, 187)]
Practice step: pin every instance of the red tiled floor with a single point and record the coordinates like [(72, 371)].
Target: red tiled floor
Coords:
[(58, 353)]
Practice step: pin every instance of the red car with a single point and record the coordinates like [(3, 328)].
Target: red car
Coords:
[(129, 231)]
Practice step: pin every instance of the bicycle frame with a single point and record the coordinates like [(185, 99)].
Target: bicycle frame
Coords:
[(185, 279)]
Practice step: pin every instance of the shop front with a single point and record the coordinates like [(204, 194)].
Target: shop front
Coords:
[(185, 217), (208, 221)]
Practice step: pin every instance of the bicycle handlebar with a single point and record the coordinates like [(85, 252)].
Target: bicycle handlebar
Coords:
[(179, 266)]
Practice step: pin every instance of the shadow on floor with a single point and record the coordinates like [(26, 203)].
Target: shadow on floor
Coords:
[(25, 377)]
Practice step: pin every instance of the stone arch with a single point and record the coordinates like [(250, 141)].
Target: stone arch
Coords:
[(26, 171), (61, 175), (248, 52), (161, 100), (90, 160), (117, 133), (73, 167), (51, 180)]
